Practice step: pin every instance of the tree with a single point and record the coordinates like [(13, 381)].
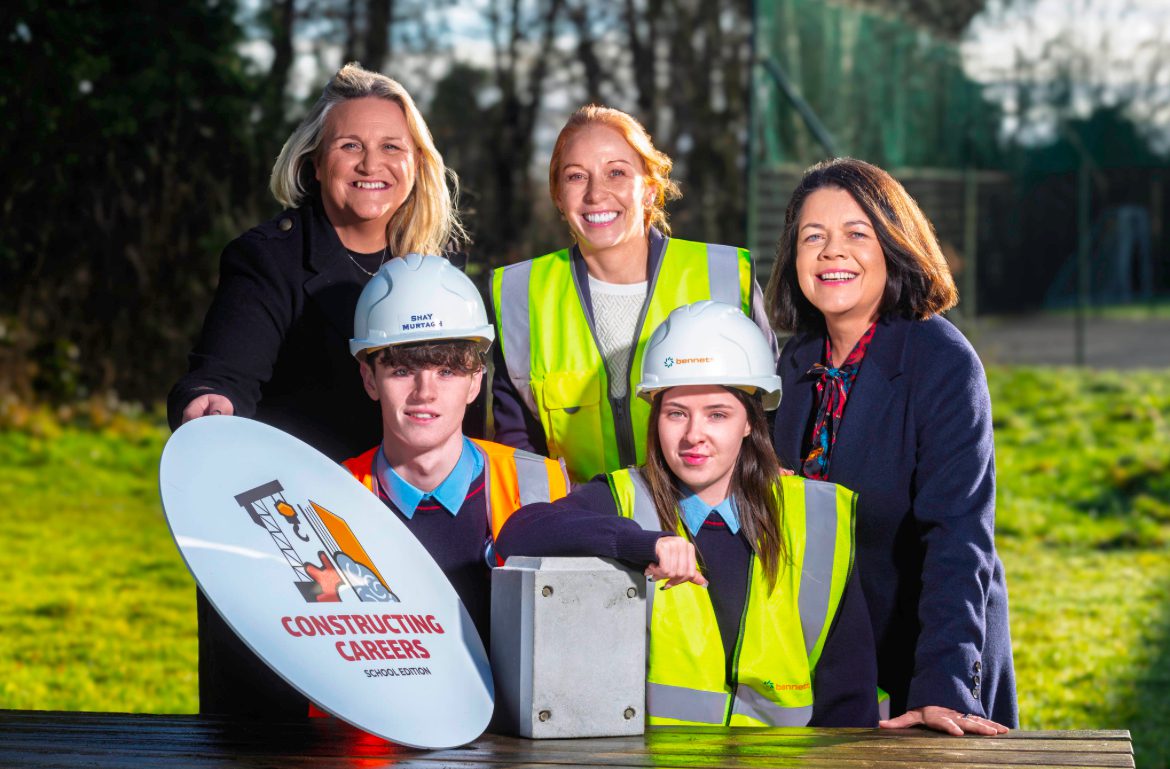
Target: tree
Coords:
[(1047, 62), (127, 165), (709, 69), (522, 35), (680, 66)]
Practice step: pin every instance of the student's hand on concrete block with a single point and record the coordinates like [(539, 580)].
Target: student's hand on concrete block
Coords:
[(676, 563)]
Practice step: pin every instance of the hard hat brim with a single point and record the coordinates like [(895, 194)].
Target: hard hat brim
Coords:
[(484, 337), (768, 387)]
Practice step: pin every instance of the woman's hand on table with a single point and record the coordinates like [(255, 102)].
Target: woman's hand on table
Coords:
[(944, 720)]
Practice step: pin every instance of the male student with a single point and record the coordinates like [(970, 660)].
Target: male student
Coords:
[(421, 337)]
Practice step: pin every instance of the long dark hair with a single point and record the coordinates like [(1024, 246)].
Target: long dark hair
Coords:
[(918, 281), (755, 485)]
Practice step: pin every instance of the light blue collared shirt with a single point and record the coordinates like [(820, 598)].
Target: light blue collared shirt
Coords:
[(695, 511), (450, 494)]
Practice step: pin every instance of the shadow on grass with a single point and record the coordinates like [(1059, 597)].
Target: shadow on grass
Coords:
[(1136, 494), (1151, 699)]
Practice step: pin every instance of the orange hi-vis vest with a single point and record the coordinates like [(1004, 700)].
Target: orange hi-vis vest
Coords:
[(513, 477)]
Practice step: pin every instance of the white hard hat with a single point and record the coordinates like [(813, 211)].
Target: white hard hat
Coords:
[(419, 298), (709, 343)]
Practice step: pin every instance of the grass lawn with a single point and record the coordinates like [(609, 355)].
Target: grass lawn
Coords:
[(1083, 526), (101, 614)]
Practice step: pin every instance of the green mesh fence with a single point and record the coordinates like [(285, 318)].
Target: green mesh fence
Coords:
[(881, 87), (888, 91)]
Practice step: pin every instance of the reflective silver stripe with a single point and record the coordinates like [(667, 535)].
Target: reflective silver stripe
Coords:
[(645, 515), (723, 273), (665, 701), (487, 494), (531, 478), (516, 340), (750, 703), (651, 589), (816, 577)]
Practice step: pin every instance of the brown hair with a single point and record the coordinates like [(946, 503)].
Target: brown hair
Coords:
[(755, 485), (918, 281), (461, 355), (657, 164)]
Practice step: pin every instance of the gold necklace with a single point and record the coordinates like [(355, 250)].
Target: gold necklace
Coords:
[(385, 251)]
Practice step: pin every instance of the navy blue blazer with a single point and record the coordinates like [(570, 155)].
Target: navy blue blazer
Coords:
[(916, 444)]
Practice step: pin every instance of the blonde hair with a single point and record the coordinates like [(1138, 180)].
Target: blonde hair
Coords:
[(427, 220), (656, 162)]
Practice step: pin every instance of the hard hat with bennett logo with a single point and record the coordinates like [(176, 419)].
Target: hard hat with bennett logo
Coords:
[(418, 298), (709, 343)]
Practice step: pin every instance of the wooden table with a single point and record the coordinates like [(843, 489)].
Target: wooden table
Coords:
[(45, 739)]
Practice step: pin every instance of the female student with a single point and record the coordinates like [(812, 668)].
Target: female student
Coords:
[(759, 619)]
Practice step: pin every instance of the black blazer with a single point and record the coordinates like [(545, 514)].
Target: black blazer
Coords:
[(916, 444), (276, 338), (276, 343)]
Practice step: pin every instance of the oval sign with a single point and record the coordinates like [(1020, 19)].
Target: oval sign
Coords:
[(324, 583)]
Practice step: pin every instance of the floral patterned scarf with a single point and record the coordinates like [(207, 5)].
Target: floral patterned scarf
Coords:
[(833, 388)]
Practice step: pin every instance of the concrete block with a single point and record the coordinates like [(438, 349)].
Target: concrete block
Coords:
[(568, 648)]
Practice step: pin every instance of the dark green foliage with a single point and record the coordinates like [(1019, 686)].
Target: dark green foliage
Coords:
[(1111, 139), (130, 158)]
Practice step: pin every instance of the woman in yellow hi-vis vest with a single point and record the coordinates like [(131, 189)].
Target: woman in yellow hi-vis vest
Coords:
[(759, 619), (572, 324)]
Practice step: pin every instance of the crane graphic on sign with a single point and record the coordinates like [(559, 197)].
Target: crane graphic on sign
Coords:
[(327, 559)]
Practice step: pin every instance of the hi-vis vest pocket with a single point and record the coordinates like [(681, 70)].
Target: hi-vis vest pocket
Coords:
[(570, 403), (570, 390)]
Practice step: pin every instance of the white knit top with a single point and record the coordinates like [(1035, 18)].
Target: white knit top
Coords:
[(616, 307)]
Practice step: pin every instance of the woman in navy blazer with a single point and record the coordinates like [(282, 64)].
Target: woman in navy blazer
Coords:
[(885, 397)]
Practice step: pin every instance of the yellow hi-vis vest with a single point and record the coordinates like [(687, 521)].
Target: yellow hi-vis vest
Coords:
[(513, 478), (552, 356), (782, 630)]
